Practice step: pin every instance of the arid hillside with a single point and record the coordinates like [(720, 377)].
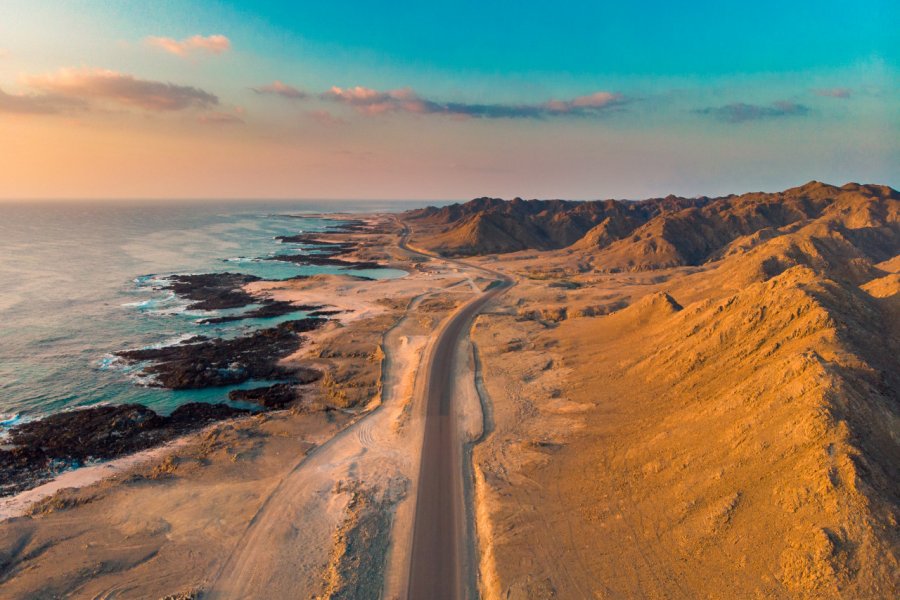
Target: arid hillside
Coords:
[(492, 225), (647, 234), (706, 406)]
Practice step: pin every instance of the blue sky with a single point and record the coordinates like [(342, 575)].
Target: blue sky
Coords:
[(423, 100)]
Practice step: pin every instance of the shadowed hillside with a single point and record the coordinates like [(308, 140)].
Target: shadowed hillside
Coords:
[(492, 225), (647, 234)]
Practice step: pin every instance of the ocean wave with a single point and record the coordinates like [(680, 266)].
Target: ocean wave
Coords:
[(109, 362), (141, 379), (152, 280), (241, 259), (10, 420), (151, 302)]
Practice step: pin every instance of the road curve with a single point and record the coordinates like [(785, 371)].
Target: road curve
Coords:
[(438, 556)]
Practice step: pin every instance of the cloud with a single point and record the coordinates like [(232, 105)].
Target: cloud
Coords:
[(323, 117), (740, 112), (38, 104), (220, 118), (4, 53), (279, 88), (120, 88), (838, 92), (374, 102), (212, 44)]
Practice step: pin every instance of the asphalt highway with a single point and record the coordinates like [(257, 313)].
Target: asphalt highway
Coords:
[(439, 546)]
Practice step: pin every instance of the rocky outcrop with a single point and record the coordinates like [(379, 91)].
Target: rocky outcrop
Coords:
[(213, 291), (220, 362), (267, 310), (37, 450), (278, 395), (326, 261)]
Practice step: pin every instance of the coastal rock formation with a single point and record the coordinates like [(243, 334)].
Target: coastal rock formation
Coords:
[(323, 260), (267, 310), (213, 291), (278, 395), (315, 239), (37, 450), (219, 362)]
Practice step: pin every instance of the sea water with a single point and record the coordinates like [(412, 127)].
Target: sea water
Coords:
[(81, 280)]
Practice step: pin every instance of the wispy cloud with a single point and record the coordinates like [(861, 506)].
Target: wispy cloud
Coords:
[(211, 44), (838, 92), (220, 118), (279, 88), (38, 104), (324, 117), (740, 112), (369, 101), (120, 88)]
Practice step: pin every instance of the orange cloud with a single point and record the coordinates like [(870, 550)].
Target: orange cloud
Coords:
[(212, 44), (279, 88), (374, 102), (38, 104), (220, 118), (120, 88), (596, 100)]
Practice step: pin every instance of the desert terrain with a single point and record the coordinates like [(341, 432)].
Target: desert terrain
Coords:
[(696, 398), (672, 398)]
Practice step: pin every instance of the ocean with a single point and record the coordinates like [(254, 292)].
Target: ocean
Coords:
[(79, 281)]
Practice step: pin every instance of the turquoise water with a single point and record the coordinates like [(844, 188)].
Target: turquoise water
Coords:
[(79, 281)]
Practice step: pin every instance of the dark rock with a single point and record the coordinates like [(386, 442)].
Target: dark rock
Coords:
[(218, 362), (38, 450), (196, 414), (318, 260), (273, 396), (212, 291), (268, 309), (325, 313), (315, 239)]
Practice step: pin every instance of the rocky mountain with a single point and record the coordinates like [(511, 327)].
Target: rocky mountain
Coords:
[(618, 235), (492, 225), (726, 379)]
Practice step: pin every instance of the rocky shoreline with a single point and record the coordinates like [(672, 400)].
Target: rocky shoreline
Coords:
[(39, 450), (220, 362), (36, 451)]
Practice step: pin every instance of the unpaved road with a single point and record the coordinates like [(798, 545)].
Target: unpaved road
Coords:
[(438, 560)]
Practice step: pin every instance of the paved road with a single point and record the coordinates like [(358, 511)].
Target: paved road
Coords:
[(439, 533)]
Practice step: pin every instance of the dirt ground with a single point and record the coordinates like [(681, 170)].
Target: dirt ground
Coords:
[(682, 434)]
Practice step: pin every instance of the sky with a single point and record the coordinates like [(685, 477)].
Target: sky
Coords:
[(415, 100)]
